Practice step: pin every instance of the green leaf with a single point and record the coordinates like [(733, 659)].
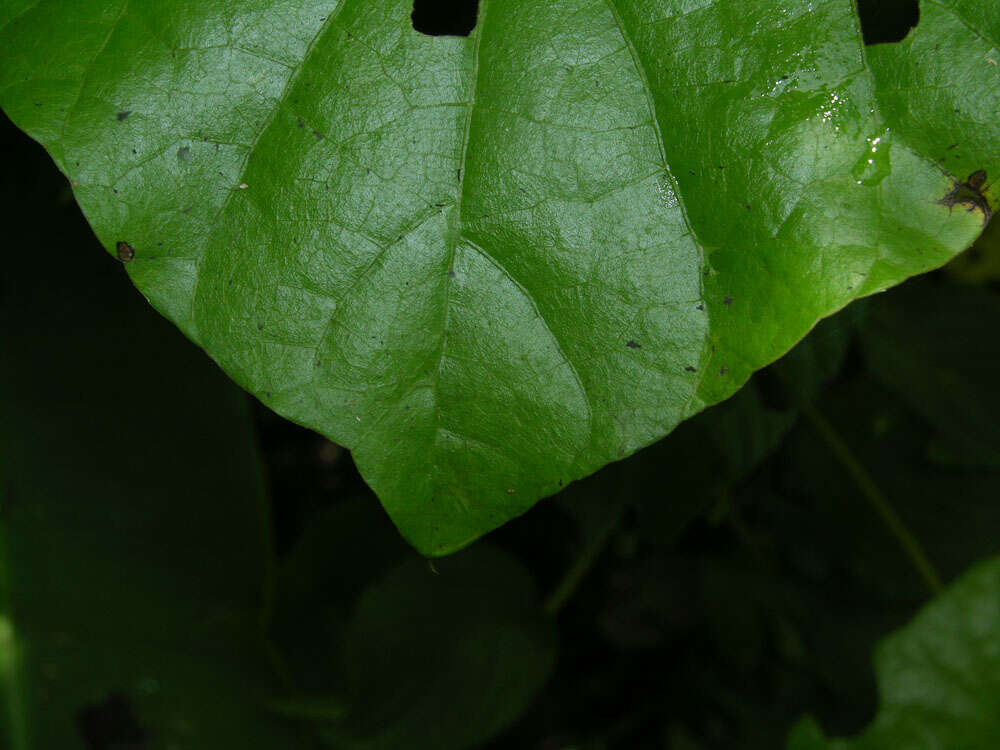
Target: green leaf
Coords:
[(341, 552), (489, 266), (939, 677), (939, 87), (132, 552), (398, 654), (444, 661)]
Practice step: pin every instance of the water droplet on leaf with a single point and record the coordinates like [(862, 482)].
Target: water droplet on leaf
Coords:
[(875, 164)]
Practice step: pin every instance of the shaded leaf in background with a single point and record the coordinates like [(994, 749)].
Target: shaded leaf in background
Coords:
[(939, 677), (412, 658), (938, 348), (980, 264), (860, 579), (133, 526), (491, 265), (341, 551), (831, 532)]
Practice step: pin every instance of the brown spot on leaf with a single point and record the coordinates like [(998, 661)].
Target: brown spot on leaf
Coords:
[(970, 195), (125, 251)]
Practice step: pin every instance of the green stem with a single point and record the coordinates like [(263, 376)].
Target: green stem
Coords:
[(269, 579), (579, 569), (875, 497)]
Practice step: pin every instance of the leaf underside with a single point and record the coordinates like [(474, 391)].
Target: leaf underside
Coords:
[(491, 265)]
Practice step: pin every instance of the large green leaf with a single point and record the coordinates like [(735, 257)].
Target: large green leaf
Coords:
[(939, 676), (491, 265), (133, 550)]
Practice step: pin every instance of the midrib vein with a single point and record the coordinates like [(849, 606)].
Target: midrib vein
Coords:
[(704, 358), (647, 90), (456, 223)]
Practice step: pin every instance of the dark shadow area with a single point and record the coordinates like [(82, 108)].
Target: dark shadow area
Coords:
[(306, 472), (887, 20), (445, 17), (111, 725)]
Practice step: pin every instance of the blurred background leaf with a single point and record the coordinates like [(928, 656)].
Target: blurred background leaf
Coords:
[(134, 546), (397, 651), (939, 676)]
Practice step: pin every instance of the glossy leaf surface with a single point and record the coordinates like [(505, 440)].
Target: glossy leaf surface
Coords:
[(491, 265)]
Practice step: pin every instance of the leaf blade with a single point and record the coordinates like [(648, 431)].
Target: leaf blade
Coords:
[(674, 195)]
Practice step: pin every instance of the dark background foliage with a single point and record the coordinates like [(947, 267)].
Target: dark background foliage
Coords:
[(736, 575)]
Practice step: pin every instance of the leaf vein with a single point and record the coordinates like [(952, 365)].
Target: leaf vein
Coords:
[(326, 25)]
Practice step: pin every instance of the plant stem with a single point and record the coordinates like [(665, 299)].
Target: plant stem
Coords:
[(876, 498), (269, 578), (269, 593), (579, 569)]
